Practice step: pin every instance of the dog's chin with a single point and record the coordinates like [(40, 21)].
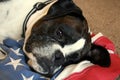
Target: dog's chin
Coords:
[(49, 74), (43, 71), (37, 68)]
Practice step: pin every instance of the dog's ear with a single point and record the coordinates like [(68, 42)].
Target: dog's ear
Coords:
[(99, 55), (62, 8)]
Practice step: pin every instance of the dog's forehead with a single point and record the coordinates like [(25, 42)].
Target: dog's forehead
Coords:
[(67, 23)]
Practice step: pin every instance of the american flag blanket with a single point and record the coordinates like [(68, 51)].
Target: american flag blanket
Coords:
[(15, 67)]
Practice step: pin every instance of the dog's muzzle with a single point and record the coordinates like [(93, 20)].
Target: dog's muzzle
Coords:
[(46, 59)]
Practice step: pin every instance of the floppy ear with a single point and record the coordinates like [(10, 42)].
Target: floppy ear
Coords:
[(99, 55)]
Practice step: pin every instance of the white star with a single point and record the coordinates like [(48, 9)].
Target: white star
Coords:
[(17, 52), (29, 78), (15, 63)]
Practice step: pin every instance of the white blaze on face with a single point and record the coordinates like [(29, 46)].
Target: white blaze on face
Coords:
[(68, 49)]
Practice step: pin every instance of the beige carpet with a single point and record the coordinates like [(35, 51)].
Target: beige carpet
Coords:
[(103, 16)]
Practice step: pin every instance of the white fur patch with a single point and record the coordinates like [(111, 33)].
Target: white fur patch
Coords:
[(67, 49), (74, 47), (94, 38)]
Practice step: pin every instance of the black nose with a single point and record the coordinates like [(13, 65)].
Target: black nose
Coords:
[(58, 58), (52, 65), (55, 65)]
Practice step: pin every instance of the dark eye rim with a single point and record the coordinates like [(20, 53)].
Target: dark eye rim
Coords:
[(59, 33)]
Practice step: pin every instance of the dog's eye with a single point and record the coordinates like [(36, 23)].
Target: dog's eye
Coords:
[(59, 34)]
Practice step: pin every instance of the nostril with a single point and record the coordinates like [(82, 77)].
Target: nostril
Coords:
[(58, 55), (58, 58)]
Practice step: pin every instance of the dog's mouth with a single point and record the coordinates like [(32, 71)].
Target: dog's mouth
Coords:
[(46, 71)]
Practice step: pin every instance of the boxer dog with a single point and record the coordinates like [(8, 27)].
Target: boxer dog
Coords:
[(58, 36)]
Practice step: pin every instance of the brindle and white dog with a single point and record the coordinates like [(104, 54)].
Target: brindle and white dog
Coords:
[(57, 35)]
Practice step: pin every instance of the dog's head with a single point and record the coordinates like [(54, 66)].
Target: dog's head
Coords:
[(60, 37)]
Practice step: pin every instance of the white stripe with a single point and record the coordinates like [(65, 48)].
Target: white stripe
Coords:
[(67, 49), (110, 51), (89, 31), (73, 47), (94, 38)]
